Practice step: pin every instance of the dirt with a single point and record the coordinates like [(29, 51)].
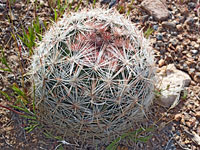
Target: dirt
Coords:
[(174, 128)]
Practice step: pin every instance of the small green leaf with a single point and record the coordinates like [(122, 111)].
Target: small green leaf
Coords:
[(77, 7), (5, 69), (5, 94), (31, 127), (185, 94), (18, 91), (148, 32), (114, 144), (4, 61), (55, 15), (143, 139), (93, 4), (58, 4)]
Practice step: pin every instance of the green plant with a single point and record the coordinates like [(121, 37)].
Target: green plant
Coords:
[(30, 36), (148, 32), (132, 136), (12, 2), (19, 103), (3, 60), (184, 94), (93, 75), (59, 7)]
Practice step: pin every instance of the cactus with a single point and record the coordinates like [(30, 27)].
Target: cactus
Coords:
[(93, 74)]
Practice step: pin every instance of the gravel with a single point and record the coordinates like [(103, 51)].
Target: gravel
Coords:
[(175, 40)]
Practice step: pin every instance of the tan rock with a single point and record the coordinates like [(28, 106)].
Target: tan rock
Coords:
[(198, 40), (197, 115), (171, 82), (179, 27), (196, 46), (156, 8), (197, 77), (178, 117), (161, 62), (191, 122)]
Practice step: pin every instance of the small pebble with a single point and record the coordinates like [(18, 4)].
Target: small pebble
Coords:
[(198, 40), (178, 117), (196, 46), (189, 21), (194, 51), (159, 37), (155, 27), (191, 5), (174, 33), (144, 18), (180, 37), (181, 19), (174, 41), (2, 7), (184, 11), (179, 27), (191, 122), (197, 115), (169, 25), (1, 16), (191, 71), (197, 77), (161, 62), (160, 43), (18, 6)]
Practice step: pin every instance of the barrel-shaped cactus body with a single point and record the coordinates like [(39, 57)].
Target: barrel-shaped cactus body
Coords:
[(93, 74)]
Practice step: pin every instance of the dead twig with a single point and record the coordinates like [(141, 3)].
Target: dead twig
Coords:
[(17, 112)]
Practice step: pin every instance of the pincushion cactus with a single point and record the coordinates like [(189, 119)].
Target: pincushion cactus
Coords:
[(93, 74)]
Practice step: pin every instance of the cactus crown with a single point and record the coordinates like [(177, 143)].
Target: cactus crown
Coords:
[(93, 75)]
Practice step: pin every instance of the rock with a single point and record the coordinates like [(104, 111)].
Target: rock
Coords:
[(144, 18), (174, 41), (2, 7), (192, 37), (174, 33), (181, 19), (161, 62), (18, 6), (1, 16), (189, 21), (169, 25), (184, 11), (191, 5), (159, 36), (182, 120), (194, 51), (186, 42), (196, 46), (198, 40), (197, 115), (155, 27), (191, 72), (160, 43), (191, 122), (179, 27), (197, 77), (171, 82), (178, 117), (180, 37), (156, 8)]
